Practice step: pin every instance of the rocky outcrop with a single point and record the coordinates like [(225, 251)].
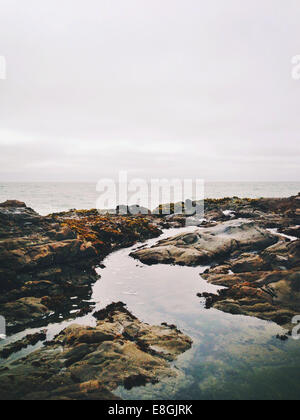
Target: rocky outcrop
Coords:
[(251, 249), (266, 286), (284, 206), (268, 212), (42, 296), (44, 261), (30, 242), (206, 245), (89, 363)]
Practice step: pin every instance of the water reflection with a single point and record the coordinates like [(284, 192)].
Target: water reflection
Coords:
[(231, 357)]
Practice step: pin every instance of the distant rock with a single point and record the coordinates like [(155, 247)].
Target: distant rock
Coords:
[(13, 204), (132, 210)]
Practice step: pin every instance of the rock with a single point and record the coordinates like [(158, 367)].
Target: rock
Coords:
[(53, 288), (89, 363), (249, 263), (206, 245), (29, 340), (91, 390), (262, 205), (51, 257), (264, 281), (176, 221), (132, 210), (23, 311), (215, 215), (285, 254), (293, 231), (64, 234), (13, 204), (264, 285), (282, 337), (32, 242)]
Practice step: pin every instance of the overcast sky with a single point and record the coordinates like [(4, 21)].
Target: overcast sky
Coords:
[(161, 88)]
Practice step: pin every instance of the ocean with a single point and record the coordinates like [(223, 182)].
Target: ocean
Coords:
[(48, 198)]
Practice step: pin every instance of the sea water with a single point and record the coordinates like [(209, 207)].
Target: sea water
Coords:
[(48, 198)]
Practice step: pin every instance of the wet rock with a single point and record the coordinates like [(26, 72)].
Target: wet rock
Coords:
[(282, 337), (29, 340), (175, 221), (266, 285), (106, 233), (54, 302), (293, 231), (216, 215), (283, 254), (54, 289), (285, 206), (31, 242), (23, 311), (265, 281), (52, 258), (89, 363), (13, 204), (249, 263), (206, 245), (111, 310)]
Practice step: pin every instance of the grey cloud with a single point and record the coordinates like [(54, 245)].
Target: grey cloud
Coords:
[(168, 88)]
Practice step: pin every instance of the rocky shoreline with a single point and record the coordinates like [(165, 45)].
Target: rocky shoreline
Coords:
[(48, 266), (251, 256), (89, 363), (44, 261)]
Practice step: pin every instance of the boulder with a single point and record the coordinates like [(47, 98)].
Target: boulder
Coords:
[(207, 245), (13, 204)]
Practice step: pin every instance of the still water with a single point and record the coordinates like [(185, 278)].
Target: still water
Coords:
[(233, 357)]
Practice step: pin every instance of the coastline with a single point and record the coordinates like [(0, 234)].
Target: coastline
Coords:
[(54, 258)]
